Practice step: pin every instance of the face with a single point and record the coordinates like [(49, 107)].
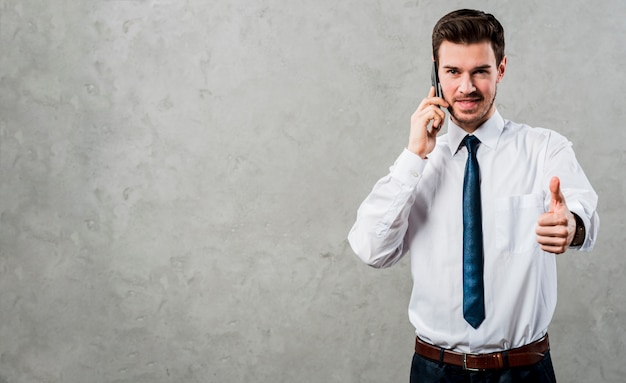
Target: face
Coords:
[(468, 76)]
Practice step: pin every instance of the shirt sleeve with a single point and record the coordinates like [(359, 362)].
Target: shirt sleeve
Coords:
[(377, 236), (579, 194)]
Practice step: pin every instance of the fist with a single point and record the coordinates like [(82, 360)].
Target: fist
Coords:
[(556, 228), (422, 139)]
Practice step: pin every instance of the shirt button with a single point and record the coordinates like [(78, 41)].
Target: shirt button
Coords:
[(415, 174)]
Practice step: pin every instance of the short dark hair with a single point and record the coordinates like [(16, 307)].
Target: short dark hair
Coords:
[(468, 26)]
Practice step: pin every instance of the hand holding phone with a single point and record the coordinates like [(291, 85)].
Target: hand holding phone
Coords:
[(428, 119), (434, 79)]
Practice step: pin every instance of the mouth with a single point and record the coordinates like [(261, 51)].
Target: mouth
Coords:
[(467, 103)]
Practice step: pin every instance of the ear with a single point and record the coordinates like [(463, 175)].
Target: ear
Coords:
[(501, 69)]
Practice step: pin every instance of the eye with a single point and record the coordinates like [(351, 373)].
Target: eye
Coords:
[(452, 71)]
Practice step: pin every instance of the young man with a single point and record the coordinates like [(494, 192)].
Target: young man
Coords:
[(482, 210)]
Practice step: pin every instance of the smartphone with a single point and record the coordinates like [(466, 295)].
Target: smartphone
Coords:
[(434, 78)]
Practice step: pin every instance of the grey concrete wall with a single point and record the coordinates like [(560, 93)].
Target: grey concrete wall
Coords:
[(177, 179)]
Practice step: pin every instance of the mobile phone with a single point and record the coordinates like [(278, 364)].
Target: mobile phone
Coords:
[(434, 78)]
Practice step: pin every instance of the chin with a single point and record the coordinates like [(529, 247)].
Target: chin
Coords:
[(470, 117), (466, 117)]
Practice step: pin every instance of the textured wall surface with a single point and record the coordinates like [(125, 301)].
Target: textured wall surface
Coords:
[(177, 179)]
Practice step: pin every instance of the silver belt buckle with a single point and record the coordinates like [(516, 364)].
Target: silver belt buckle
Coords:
[(470, 369)]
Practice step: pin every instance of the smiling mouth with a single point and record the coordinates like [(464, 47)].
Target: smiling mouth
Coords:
[(467, 103)]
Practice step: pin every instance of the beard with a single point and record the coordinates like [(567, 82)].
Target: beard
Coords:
[(476, 117)]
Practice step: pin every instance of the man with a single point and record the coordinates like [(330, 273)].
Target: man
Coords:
[(482, 210)]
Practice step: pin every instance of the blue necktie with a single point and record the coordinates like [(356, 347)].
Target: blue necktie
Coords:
[(473, 298)]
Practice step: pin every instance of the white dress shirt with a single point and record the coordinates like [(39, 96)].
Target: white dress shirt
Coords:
[(417, 208)]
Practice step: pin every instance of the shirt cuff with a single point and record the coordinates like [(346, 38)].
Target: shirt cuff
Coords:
[(577, 208), (408, 168)]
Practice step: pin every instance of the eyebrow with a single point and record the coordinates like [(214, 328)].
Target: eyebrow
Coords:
[(485, 66)]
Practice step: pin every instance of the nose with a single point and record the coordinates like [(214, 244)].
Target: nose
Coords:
[(466, 86)]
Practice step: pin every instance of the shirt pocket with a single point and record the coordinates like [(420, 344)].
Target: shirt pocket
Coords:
[(516, 222)]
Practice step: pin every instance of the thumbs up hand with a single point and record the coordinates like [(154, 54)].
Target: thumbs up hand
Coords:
[(556, 228)]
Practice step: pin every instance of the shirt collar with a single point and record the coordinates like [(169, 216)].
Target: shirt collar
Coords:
[(488, 133)]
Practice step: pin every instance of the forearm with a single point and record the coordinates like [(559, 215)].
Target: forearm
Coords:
[(580, 196), (377, 236)]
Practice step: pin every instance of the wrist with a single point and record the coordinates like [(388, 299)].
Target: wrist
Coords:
[(418, 151), (579, 233)]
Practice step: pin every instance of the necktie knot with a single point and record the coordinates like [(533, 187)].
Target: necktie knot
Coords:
[(471, 142)]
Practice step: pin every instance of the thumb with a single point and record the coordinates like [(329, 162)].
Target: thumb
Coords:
[(557, 197)]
